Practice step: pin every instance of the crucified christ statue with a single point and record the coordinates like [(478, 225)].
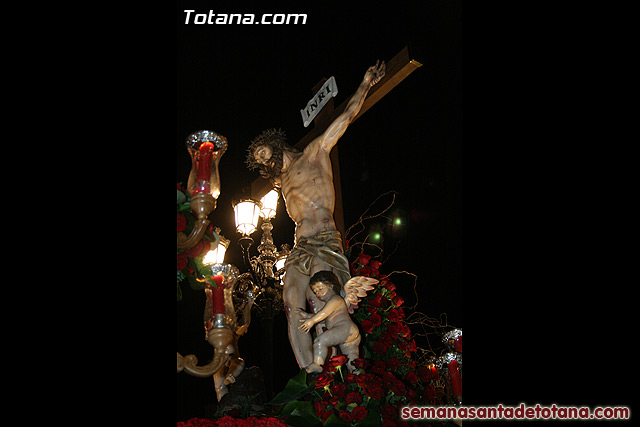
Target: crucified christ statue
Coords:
[(306, 181)]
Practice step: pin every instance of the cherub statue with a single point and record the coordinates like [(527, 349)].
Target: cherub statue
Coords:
[(341, 331)]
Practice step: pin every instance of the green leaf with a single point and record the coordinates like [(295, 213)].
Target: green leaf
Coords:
[(288, 408), (295, 389), (303, 416), (373, 405), (335, 421), (371, 420)]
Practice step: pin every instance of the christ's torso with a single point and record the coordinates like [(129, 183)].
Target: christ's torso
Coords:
[(307, 189)]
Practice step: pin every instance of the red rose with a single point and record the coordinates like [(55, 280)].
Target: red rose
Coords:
[(323, 380), (365, 271), (390, 286), (182, 222), (345, 416), (376, 301), (364, 259), (333, 401), (394, 329), (326, 415), (402, 345), (338, 360), (228, 421), (393, 315), (411, 377), (375, 319), (353, 397), (338, 390), (360, 363), (375, 265), (406, 332), (319, 407), (412, 397), (388, 411), (384, 303), (398, 301), (387, 339), (378, 367), (350, 378), (424, 374), (362, 379), (372, 309), (182, 260), (380, 347), (367, 326), (398, 388), (374, 390), (388, 378), (393, 363), (429, 393), (412, 346), (359, 413)]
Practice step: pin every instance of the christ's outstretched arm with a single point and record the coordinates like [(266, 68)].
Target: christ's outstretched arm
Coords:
[(336, 129)]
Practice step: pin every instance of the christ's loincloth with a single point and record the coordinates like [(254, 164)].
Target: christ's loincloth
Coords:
[(327, 246)]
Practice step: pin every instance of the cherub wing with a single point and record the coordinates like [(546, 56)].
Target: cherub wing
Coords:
[(357, 288)]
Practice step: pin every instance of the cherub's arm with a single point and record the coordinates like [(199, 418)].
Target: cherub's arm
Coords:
[(331, 306)]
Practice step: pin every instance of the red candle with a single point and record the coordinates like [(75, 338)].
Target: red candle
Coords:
[(217, 295), (458, 344), (456, 380), (434, 372), (204, 167)]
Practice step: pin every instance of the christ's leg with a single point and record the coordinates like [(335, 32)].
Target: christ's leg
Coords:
[(294, 295)]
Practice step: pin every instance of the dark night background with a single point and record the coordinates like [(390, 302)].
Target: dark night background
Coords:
[(239, 80), (538, 298)]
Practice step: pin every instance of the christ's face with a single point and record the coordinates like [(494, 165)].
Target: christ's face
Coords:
[(263, 154), (322, 290), (270, 160)]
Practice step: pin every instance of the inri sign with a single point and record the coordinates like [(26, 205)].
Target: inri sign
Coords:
[(326, 92)]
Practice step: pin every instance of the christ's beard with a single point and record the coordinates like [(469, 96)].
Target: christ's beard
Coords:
[(272, 170)]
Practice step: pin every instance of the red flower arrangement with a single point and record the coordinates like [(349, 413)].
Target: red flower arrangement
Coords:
[(387, 377)]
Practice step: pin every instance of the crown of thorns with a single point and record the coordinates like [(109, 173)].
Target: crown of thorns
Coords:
[(269, 137)]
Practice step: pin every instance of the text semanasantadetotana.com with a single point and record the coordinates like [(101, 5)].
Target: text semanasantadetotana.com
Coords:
[(521, 412)]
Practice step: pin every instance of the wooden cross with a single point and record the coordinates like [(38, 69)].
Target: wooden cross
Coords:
[(396, 70)]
